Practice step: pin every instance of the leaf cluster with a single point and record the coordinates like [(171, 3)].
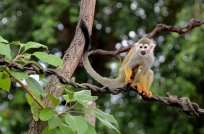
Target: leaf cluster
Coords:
[(59, 122)]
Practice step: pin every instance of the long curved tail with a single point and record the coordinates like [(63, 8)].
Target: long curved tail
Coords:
[(113, 83)]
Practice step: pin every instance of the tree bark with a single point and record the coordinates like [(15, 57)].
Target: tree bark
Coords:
[(91, 119), (70, 59)]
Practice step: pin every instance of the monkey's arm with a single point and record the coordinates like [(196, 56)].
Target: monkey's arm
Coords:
[(127, 57), (127, 70)]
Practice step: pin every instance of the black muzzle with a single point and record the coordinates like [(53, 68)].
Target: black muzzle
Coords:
[(143, 52)]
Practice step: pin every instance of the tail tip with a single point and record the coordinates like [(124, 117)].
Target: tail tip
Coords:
[(84, 29)]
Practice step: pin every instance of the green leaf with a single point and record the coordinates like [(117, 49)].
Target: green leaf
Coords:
[(77, 123), (42, 76), (91, 129), (15, 43), (45, 131), (50, 59), (102, 115), (46, 114), (18, 75), (30, 44), (108, 124), (51, 131), (5, 81), (105, 118), (84, 96), (29, 99), (69, 96), (35, 87), (27, 56), (3, 40), (54, 100), (58, 86), (1, 68), (35, 110), (53, 122), (5, 50), (64, 129)]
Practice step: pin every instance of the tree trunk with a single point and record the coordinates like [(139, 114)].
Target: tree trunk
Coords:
[(71, 59)]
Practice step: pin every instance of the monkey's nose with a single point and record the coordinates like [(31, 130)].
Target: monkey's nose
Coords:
[(143, 52)]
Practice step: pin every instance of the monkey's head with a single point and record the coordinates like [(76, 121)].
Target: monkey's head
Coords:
[(144, 46)]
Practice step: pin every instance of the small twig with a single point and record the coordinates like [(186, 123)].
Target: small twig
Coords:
[(26, 89), (68, 109), (108, 53)]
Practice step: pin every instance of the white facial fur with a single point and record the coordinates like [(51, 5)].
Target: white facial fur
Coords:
[(143, 47)]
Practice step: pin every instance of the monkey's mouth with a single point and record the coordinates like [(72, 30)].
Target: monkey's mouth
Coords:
[(143, 52)]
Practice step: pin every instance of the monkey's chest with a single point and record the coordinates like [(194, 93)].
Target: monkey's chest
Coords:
[(145, 61)]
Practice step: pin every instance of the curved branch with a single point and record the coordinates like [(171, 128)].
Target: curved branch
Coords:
[(110, 53), (180, 30)]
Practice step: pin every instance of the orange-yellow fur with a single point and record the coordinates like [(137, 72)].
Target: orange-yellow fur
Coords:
[(142, 80)]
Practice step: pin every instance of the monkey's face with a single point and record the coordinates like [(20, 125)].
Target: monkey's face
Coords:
[(143, 49)]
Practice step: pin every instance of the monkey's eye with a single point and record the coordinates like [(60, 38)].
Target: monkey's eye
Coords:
[(145, 47), (140, 46)]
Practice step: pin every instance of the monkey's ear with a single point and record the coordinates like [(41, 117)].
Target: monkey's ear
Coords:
[(152, 46), (136, 44)]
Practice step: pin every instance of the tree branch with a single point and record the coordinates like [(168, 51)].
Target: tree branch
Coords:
[(110, 53), (26, 89), (180, 30)]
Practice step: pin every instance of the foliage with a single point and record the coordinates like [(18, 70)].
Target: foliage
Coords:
[(58, 121)]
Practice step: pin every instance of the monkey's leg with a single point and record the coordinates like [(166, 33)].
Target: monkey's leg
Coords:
[(128, 73), (149, 79), (135, 82), (145, 80)]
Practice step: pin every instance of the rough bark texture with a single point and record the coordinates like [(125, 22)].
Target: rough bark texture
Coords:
[(70, 60), (89, 118)]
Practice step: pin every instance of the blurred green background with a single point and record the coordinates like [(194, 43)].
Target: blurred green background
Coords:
[(178, 67)]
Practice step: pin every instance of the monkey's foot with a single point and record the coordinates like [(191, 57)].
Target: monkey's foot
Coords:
[(148, 94), (139, 88), (128, 80)]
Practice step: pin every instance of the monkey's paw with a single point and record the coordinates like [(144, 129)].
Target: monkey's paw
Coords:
[(148, 94), (139, 88), (128, 80)]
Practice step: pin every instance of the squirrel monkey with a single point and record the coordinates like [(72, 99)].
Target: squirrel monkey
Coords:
[(141, 54)]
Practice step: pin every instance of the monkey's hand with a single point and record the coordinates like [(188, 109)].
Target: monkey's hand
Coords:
[(128, 80), (128, 74)]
